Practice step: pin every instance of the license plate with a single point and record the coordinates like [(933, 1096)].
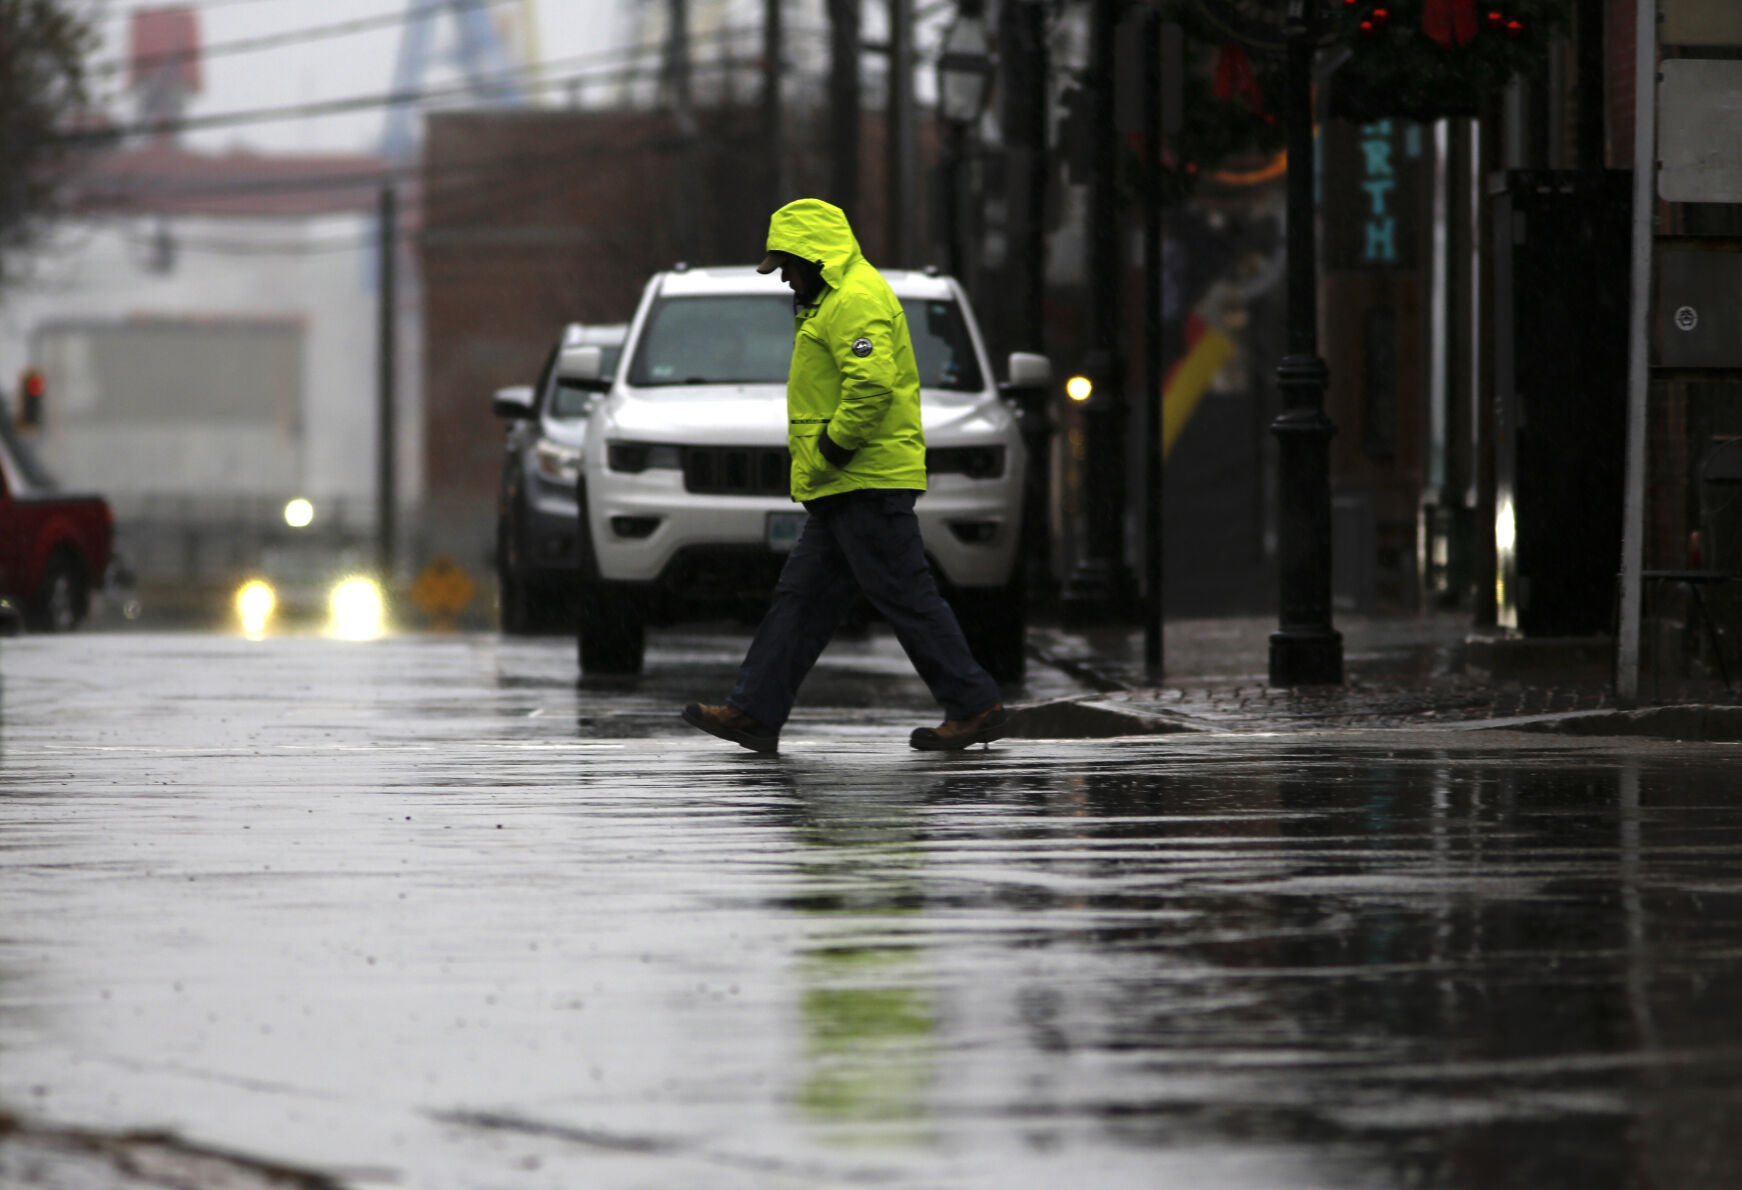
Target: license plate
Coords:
[(783, 530)]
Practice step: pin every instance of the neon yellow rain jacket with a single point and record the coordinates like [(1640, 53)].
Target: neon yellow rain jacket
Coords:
[(853, 374)]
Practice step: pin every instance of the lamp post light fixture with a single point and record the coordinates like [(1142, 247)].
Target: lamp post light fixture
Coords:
[(964, 82), (964, 68)]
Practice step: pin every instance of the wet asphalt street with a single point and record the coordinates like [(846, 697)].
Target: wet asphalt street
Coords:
[(422, 912)]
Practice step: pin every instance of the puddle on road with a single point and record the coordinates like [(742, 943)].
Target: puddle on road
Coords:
[(462, 958), (1425, 970)]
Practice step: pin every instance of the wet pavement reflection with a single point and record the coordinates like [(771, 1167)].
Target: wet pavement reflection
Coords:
[(425, 913)]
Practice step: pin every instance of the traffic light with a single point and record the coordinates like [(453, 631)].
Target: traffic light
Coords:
[(31, 390)]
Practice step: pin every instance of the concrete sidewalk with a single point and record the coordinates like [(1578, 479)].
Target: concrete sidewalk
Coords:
[(1414, 672)]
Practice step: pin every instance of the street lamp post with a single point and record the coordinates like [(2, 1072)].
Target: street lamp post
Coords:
[(964, 85), (1305, 650)]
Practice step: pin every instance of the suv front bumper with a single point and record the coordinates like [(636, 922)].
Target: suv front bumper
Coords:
[(644, 523)]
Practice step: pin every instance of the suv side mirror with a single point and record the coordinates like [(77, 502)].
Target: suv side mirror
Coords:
[(1029, 370), (513, 403), (583, 367)]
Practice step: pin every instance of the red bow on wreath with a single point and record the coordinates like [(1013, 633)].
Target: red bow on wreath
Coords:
[(1449, 22), (1235, 78)]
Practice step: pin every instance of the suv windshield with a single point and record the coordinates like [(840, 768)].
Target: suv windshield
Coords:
[(725, 339), (747, 339)]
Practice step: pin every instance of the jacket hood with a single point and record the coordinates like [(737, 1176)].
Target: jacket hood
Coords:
[(815, 230)]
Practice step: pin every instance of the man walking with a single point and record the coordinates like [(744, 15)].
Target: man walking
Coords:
[(858, 465)]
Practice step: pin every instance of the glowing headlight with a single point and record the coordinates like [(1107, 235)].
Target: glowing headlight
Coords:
[(356, 609), (255, 602), (559, 464)]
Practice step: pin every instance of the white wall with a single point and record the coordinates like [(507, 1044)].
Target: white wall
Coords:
[(316, 272)]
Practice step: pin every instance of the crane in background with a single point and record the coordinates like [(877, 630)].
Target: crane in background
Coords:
[(494, 52)]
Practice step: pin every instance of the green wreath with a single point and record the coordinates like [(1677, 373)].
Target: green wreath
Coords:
[(1233, 105)]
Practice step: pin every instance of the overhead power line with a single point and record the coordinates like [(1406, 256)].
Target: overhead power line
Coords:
[(591, 67), (201, 5), (544, 163), (272, 41), (485, 192)]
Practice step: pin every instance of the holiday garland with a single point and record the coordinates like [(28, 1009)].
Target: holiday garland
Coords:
[(1427, 58), (1420, 59)]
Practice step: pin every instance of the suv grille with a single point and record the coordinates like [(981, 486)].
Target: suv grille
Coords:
[(737, 470)]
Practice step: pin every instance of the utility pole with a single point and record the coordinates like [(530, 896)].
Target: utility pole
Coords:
[(1022, 99), (677, 82), (677, 57), (1022, 102), (1101, 586), (1163, 115), (900, 135), (844, 104), (1633, 525), (773, 113), (1155, 355), (386, 394), (1305, 650)]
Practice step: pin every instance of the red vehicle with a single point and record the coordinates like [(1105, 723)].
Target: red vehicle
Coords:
[(54, 546)]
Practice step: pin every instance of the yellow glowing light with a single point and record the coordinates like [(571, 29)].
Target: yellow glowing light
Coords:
[(299, 513), (1505, 527), (357, 610), (255, 602), (1079, 388)]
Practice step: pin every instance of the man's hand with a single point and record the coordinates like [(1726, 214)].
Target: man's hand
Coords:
[(835, 455)]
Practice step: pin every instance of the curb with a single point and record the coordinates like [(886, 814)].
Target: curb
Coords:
[(1091, 717), (1691, 722), (1095, 717)]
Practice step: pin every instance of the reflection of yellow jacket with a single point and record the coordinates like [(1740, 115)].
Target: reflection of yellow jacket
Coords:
[(853, 373)]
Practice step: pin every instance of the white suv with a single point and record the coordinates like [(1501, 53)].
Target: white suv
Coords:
[(685, 510)]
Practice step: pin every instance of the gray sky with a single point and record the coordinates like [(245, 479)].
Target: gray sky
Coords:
[(333, 68), (564, 34)]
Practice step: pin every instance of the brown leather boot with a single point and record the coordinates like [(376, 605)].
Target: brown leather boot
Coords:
[(953, 734), (729, 723)]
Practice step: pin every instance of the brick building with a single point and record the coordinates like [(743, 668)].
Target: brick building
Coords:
[(535, 219)]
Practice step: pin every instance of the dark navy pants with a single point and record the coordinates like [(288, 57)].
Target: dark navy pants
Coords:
[(869, 541)]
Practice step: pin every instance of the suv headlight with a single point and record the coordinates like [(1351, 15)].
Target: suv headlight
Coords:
[(557, 463), (976, 462), (255, 603), (635, 457)]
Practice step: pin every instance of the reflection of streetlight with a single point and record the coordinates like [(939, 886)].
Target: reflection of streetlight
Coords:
[(964, 78)]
